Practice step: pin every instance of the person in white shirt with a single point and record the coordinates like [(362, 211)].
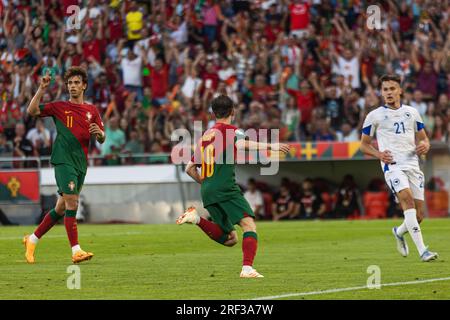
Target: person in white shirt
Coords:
[(348, 65), (131, 66), (397, 127), (254, 198), (347, 133), (40, 138), (417, 102)]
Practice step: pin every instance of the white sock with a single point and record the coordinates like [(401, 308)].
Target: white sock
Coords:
[(33, 239), (402, 229), (197, 219), (76, 248), (247, 268), (414, 229)]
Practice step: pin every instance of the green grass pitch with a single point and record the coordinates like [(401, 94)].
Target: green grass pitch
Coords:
[(180, 262)]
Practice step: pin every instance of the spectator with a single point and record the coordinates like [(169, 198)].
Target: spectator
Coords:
[(160, 81), (417, 102), (134, 146), (428, 119), (299, 13), (255, 199), (134, 19), (440, 128), (323, 131), (291, 118), (284, 206), (23, 147), (305, 103), (211, 16), (311, 204), (131, 66), (347, 133), (116, 138), (348, 199), (40, 138), (6, 151)]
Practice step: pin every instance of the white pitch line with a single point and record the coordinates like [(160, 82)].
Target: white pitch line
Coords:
[(393, 284), (84, 235)]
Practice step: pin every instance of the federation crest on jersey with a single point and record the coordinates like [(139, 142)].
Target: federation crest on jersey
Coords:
[(396, 181), (407, 115), (88, 116)]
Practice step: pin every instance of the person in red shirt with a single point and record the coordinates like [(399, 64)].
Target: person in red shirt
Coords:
[(299, 14), (159, 79), (272, 30), (305, 102), (260, 90), (210, 77), (93, 46)]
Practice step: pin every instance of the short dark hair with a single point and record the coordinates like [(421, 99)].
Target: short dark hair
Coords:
[(222, 106), (75, 71), (390, 77)]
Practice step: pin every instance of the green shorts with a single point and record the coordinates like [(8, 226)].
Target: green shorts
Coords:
[(68, 179), (228, 213)]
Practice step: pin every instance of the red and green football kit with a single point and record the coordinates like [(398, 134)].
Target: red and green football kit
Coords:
[(70, 149), (221, 196)]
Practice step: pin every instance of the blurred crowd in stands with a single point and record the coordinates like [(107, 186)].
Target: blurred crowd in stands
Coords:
[(319, 198), (309, 68)]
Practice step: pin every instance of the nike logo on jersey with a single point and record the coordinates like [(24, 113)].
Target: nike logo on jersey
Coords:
[(66, 112)]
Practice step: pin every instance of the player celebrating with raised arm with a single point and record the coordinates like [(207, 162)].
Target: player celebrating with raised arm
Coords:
[(221, 195), (397, 126), (75, 122)]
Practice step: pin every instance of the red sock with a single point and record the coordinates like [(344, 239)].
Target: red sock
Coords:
[(212, 230), (50, 219), (71, 229), (249, 246)]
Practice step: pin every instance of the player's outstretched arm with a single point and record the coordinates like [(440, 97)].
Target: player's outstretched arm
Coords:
[(33, 107), (367, 148), (191, 170), (253, 145)]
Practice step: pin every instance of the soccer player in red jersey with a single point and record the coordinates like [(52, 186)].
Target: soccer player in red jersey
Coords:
[(75, 122), (221, 196)]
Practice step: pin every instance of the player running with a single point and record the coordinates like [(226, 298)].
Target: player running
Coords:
[(221, 195), (397, 127), (75, 122)]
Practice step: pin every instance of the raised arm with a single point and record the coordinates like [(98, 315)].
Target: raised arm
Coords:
[(33, 108)]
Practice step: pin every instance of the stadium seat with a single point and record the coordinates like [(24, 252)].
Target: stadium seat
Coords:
[(437, 203), (375, 204)]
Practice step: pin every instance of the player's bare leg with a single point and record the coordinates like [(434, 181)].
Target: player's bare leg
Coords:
[(50, 219), (249, 247), (211, 229), (70, 222), (411, 222)]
